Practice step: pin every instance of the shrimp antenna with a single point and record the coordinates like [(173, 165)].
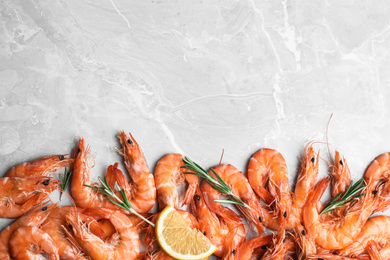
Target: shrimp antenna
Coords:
[(223, 151), (327, 139)]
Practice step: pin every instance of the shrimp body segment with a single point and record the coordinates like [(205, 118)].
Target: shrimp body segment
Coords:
[(268, 165), (376, 229), (18, 195), (339, 232), (169, 174), (123, 244), (142, 185), (27, 242), (34, 218), (40, 167), (239, 184)]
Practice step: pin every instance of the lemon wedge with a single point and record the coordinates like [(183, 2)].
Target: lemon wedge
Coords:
[(180, 241)]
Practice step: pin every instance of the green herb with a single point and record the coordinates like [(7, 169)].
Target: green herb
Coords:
[(350, 194), (218, 184), (64, 179), (111, 196)]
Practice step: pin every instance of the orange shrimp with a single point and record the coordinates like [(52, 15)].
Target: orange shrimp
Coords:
[(84, 196), (379, 171), (55, 225), (305, 244), (123, 244), (376, 229), (34, 218), (241, 188), (306, 181), (226, 234), (169, 174), (339, 232), (142, 186), (269, 165), (40, 167), (28, 242), (246, 250), (278, 249), (18, 195), (341, 175)]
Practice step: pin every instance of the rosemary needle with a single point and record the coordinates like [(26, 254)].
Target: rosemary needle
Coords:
[(350, 194), (217, 183), (64, 179), (124, 203)]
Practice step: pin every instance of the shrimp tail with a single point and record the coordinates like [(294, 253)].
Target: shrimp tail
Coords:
[(265, 195)]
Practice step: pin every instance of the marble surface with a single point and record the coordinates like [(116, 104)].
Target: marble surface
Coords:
[(195, 77)]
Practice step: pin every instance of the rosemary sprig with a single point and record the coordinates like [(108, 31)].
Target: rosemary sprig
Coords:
[(350, 194), (111, 196), (64, 179), (218, 184)]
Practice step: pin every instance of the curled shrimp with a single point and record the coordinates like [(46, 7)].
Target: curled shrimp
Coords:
[(82, 195), (379, 171), (269, 165), (55, 225), (27, 242), (376, 229), (169, 174), (338, 232), (35, 218), (123, 244), (239, 184), (39, 167), (18, 195), (142, 185), (226, 234)]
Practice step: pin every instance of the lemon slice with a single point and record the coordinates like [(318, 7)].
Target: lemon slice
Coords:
[(178, 239)]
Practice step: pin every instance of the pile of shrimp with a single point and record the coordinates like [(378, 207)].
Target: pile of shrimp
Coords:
[(95, 228)]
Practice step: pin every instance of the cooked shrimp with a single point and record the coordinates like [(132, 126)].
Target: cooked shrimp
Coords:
[(246, 250), (35, 218), (278, 248), (373, 251), (379, 171), (341, 176), (241, 188), (269, 165), (376, 229), (305, 242), (56, 227), (142, 185), (84, 196), (305, 182), (18, 195), (123, 244), (339, 232), (169, 174), (40, 167), (28, 242), (226, 234)]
